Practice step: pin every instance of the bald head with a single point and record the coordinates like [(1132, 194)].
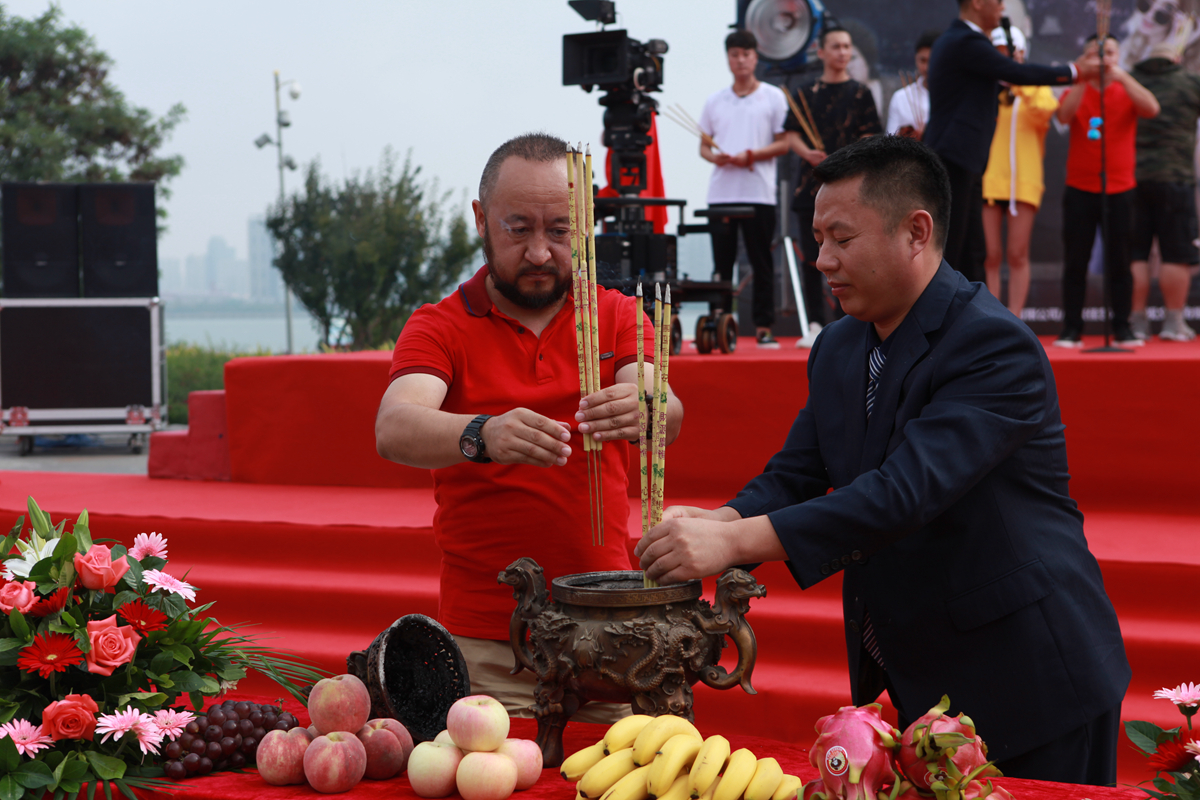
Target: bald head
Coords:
[(539, 148)]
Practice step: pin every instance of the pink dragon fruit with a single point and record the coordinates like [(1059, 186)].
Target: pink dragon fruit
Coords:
[(942, 755), (979, 790), (853, 751), (813, 790)]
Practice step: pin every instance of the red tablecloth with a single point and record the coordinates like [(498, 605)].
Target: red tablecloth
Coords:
[(793, 759)]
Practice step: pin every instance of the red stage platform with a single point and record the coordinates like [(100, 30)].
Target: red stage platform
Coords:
[(324, 544)]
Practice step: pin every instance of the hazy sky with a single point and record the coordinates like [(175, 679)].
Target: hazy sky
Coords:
[(448, 80)]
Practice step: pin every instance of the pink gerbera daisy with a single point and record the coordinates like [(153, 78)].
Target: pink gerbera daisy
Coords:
[(28, 738), (149, 544), (140, 724), (1185, 694), (171, 722), (157, 579)]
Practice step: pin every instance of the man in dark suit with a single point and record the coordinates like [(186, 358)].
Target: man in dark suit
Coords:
[(932, 415), (964, 70)]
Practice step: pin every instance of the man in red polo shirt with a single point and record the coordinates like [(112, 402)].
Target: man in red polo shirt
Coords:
[(515, 483), (1124, 101)]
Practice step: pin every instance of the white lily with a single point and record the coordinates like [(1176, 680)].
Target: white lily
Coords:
[(32, 552)]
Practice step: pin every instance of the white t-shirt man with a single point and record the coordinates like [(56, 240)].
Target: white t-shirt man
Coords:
[(909, 107), (738, 124)]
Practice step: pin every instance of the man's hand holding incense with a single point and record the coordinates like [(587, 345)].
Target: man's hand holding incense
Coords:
[(695, 543), (610, 414), (522, 436)]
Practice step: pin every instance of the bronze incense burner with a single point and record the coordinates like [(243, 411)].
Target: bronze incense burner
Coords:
[(602, 636)]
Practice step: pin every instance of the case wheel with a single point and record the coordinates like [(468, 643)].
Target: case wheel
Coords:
[(704, 335), (676, 335), (726, 334)]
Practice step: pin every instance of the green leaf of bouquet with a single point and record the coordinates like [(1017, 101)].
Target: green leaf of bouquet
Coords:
[(10, 789), (40, 573), (11, 644), (34, 775), (106, 768), (39, 519), (133, 578), (149, 699), (65, 549), (72, 771), (1143, 734), (187, 681), (124, 596), (83, 531), (10, 759), (67, 576), (162, 662), (8, 710), (181, 653), (19, 626)]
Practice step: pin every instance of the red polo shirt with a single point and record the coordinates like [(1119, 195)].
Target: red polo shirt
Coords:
[(490, 515), (1120, 146)]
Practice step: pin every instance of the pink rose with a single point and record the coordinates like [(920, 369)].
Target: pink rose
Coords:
[(73, 717), (97, 571), (112, 646), (18, 595)]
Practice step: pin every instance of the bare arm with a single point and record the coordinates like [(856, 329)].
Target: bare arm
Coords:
[(796, 143), (775, 149), (710, 155), (1069, 104), (411, 429), (1143, 100)]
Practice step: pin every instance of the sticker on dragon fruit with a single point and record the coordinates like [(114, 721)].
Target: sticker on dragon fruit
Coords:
[(837, 761)]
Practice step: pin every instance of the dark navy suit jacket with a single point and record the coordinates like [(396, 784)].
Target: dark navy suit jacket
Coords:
[(951, 519), (964, 70)]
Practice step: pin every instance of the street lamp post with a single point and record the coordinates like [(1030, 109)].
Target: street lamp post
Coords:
[(282, 120)]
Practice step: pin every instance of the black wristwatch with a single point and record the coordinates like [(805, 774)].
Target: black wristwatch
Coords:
[(471, 442)]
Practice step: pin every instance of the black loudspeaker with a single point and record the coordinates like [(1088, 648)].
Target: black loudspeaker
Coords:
[(119, 240), (41, 240)]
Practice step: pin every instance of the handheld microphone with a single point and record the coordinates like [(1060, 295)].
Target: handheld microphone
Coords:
[(1006, 24)]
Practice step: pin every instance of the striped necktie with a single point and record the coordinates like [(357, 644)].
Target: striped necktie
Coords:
[(874, 368)]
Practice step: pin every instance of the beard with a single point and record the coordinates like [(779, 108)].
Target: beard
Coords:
[(510, 291)]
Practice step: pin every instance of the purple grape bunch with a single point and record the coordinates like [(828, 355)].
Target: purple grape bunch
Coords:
[(226, 737)]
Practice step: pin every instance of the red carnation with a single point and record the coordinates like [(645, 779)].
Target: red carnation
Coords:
[(52, 604), (50, 652), (142, 617), (1172, 756)]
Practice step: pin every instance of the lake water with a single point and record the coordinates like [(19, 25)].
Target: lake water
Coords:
[(242, 332)]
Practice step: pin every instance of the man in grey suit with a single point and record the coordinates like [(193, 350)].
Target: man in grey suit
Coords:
[(932, 415)]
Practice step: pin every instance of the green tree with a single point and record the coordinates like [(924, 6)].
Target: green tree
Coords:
[(61, 119), (363, 255)]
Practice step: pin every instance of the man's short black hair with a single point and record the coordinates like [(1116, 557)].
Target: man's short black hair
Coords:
[(926, 41), (1094, 36), (539, 148), (834, 28), (741, 38), (900, 175)]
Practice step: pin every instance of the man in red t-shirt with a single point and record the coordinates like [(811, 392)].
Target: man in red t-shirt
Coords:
[(1124, 101), (515, 483)]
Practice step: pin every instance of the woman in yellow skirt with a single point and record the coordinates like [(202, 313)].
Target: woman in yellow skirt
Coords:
[(1013, 183)]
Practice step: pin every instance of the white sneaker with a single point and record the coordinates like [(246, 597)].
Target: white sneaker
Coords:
[(1182, 333), (808, 340)]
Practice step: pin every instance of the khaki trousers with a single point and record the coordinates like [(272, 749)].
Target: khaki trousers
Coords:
[(489, 663)]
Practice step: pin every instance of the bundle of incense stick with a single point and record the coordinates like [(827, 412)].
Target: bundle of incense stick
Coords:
[(679, 115), (805, 118), (587, 322), (914, 102), (1103, 21), (656, 468)]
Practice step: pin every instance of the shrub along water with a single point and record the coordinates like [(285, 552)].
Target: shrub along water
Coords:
[(194, 367)]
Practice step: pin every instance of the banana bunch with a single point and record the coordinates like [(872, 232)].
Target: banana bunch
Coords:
[(666, 758)]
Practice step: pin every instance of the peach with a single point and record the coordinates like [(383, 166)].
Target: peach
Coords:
[(280, 756), (486, 776), (432, 769), (478, 722), (335, 762), (526, 754), (388, 745), (340, 703), (444, 738)]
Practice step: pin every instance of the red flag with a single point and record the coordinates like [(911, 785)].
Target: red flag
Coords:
[(654, 180)]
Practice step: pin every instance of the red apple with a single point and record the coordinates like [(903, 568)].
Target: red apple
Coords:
[(340, 703), (280, 756), (526, 754), (477, 722), (432, 767), (388, 744), (335, 762), (486, 776)]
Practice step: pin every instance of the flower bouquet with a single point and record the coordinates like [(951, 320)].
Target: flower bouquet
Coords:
[(98, 645), (1173, 754)]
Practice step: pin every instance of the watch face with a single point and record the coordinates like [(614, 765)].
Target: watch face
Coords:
[(469, 447)]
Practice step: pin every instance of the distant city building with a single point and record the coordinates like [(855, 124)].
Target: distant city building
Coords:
[(171, 277), (225, 274), (195, 276), (266, 285)]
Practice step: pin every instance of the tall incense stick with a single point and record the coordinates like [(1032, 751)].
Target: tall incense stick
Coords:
[(576, 283), (643, 418), (812, 121), (594, 321), (662, 360)]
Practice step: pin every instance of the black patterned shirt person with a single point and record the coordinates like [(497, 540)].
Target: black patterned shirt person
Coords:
[(843, 111)]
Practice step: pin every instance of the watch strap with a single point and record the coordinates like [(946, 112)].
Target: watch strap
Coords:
[(474, 430)]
